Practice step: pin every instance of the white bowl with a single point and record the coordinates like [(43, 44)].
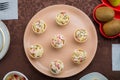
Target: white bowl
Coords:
[(15, 72)]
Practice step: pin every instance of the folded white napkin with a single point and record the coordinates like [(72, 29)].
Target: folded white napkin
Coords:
[(11, 12), (116, 57)]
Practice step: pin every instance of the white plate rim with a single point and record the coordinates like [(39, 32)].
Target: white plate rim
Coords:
[(93, 74), (7, 39)]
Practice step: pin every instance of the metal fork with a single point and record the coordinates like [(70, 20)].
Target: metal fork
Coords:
[(3, 6)]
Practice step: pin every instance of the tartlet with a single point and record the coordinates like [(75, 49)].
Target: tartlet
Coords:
[(79, 56), (58, 41), (36, 51), (80, 35), (56, 67), (39, 26), (62, 18)]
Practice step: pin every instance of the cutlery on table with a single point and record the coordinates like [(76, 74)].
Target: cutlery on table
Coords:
[(3, 6)]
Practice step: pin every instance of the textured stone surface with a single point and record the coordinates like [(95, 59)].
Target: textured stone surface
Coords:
[(16, 59)]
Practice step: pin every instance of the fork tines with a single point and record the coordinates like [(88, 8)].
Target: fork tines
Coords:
[(3, 6)]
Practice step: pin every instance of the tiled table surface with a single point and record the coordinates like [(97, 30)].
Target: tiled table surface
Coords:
[(16, 59)]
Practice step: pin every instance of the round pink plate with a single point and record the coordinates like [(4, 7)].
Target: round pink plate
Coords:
[(78, 19)]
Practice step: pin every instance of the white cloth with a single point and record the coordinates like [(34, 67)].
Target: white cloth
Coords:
[(11, 12), (116, 57)]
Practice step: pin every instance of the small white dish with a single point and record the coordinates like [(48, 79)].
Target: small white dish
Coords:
[(15, 72), (94, 76), (5, 39)]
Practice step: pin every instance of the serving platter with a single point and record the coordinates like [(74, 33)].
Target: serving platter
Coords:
[(78, 19)]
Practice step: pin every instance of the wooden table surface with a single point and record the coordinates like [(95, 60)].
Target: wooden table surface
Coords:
[(15, 59)]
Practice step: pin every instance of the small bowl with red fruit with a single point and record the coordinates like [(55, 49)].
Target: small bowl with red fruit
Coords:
[(15, 75)]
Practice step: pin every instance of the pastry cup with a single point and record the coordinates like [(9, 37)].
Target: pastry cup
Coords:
[(56, 67), (62, 20), (36, 51), (55, 40), (79, 56), (84, 38), (39, 27)]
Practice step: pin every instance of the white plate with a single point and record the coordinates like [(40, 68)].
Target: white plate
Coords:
[(93, 76), (4, 39)]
